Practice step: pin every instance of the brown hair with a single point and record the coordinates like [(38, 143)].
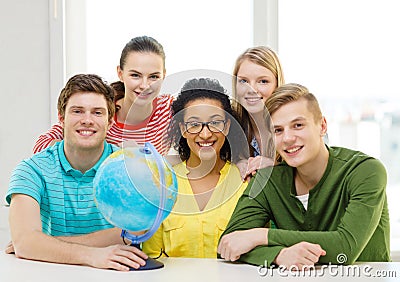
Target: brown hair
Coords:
[(119, 89), (143, 44), (86, 83)]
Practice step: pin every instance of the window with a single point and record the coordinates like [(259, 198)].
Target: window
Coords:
[(347, 54), (205, 34)]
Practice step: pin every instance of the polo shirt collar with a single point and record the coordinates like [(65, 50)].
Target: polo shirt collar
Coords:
[(67, 166)]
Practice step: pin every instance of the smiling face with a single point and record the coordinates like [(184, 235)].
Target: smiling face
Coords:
[(298, 134), (85, 122), (142, 75), (206, 144), (254, 84)]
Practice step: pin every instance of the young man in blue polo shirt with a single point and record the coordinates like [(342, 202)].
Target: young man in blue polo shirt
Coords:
[(328, 203), (53, 216)]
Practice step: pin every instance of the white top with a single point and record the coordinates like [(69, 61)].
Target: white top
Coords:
[(304, 200)]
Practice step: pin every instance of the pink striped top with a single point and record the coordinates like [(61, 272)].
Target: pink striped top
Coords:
[(151, 130)]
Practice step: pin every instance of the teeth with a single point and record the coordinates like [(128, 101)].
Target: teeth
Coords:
[(86, 132), (253, 99), (293, 150), (205, 144)]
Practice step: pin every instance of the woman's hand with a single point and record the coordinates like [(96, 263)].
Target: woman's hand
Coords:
[(249, 167)]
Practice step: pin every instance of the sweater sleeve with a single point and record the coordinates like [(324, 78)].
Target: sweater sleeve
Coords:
[(254, 212), (44, 140), (366, 186)]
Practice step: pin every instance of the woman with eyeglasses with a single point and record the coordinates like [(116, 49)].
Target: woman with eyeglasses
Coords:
[(209, 185)]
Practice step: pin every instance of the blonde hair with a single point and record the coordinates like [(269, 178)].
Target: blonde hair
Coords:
[(293, 92), (267, 58), (288, 93)]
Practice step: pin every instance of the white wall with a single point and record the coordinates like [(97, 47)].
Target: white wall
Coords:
[(25, 79), (4, 230), (76, 37)]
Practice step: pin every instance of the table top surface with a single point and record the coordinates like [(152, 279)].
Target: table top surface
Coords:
[(13, 269)]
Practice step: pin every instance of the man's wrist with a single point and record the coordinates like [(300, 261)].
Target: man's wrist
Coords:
[(277, 258), (262, 236)]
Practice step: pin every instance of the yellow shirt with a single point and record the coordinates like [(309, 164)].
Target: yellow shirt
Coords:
[(189, 232)]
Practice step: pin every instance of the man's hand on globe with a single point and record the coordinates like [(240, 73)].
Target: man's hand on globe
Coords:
[(118, 257)]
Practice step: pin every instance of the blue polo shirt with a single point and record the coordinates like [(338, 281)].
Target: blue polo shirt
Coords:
[(65, 195)]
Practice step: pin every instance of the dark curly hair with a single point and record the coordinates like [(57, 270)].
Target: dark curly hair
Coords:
[(199, 89)]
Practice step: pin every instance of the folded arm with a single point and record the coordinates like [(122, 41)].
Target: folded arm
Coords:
[(249, 220), (30, 242), (360, 219), (359, 222)]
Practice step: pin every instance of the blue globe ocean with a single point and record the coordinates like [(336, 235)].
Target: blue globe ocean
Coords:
[(128, 188)]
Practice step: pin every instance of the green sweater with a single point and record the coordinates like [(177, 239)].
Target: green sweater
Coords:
[(347, 213)]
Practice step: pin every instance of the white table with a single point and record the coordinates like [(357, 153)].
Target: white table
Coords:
[(13, 269)]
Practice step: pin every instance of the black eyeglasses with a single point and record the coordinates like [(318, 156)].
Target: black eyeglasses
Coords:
[(197, 126)]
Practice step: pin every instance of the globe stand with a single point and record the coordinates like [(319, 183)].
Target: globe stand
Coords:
[(136, 240), (112, 195)]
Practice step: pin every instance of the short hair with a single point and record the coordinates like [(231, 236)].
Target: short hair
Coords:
[(199, 89), (293, 92), (86, 83)]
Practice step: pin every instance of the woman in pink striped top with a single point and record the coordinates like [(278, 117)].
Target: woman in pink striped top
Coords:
[(142, 115)]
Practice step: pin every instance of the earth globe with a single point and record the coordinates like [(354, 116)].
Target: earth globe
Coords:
[(135, 189)]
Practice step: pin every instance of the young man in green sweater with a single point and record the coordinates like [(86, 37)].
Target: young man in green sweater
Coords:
[(328, 203)]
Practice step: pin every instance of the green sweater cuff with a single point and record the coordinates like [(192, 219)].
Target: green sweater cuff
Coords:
[(261, 255)]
